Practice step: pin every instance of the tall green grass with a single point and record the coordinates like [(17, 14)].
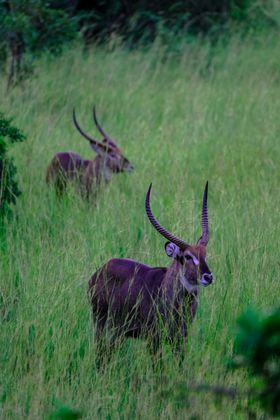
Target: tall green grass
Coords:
[(205, 114)]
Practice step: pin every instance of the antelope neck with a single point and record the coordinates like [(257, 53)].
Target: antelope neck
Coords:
[(176, 272), (102, 171)]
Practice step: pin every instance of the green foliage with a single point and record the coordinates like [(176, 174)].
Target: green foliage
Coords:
[(33, 26), (258, 350), (142, 21), (9, 190), (64, 412), (40, 24)]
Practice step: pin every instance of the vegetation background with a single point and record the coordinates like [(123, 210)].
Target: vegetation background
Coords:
[(184, 109)]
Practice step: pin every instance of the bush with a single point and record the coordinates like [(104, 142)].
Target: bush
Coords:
[(33, 26), (258, 350), (9, 189), (141, 21)]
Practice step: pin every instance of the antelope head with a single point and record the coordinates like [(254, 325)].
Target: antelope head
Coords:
[(107, 150), (189, 260)]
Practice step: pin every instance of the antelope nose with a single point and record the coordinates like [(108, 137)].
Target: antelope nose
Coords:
[(206, 279)]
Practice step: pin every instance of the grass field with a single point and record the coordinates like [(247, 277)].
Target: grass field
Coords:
[(180, 119)]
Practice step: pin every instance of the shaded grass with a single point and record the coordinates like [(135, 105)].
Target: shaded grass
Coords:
[(180, 121)]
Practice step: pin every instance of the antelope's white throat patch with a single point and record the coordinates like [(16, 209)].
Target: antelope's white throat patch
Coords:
[(108, 173), (191, 288)]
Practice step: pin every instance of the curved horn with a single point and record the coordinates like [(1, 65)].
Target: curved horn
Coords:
[(204, 218), (103, 132), (181, 244), (91, 139)]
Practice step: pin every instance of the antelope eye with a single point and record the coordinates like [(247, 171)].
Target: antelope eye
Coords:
[(188, 257)]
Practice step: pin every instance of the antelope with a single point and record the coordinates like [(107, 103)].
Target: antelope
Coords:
[(128, 297), (68, 167)]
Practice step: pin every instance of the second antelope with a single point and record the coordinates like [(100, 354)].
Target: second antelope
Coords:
[(128, 298), (68, 167)]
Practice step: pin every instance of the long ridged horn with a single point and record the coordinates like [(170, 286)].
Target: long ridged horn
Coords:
[(102, 131), (204, 218), (92, 140), (169, 236)]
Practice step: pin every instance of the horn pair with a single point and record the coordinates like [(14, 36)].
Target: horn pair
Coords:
[(172, 238), (107, 145)]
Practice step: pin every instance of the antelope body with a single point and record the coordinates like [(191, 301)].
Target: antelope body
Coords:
[(68, 167), (130, 298)]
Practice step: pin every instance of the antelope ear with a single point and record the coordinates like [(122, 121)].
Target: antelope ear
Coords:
[(97, 149), (172, 250)]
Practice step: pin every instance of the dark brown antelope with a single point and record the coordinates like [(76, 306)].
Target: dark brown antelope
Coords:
[(68, 167), (129, 298)]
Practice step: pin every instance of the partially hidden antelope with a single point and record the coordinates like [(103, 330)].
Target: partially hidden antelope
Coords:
[(68, 167), (131, 299)]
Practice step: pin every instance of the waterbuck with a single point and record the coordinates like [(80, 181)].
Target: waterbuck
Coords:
[(131, 299), (68, 167)]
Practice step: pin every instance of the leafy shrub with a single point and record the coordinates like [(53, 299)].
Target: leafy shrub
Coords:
[(64, 412), (33, 26), (258, 350), (9, 189), (141, 21)]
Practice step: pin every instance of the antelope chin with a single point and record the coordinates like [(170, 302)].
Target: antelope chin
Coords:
[(204, 283), (191, 288), (129, 169)]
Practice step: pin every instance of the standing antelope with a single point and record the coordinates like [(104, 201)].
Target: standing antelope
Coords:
[(88, 174), (128, 296)]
